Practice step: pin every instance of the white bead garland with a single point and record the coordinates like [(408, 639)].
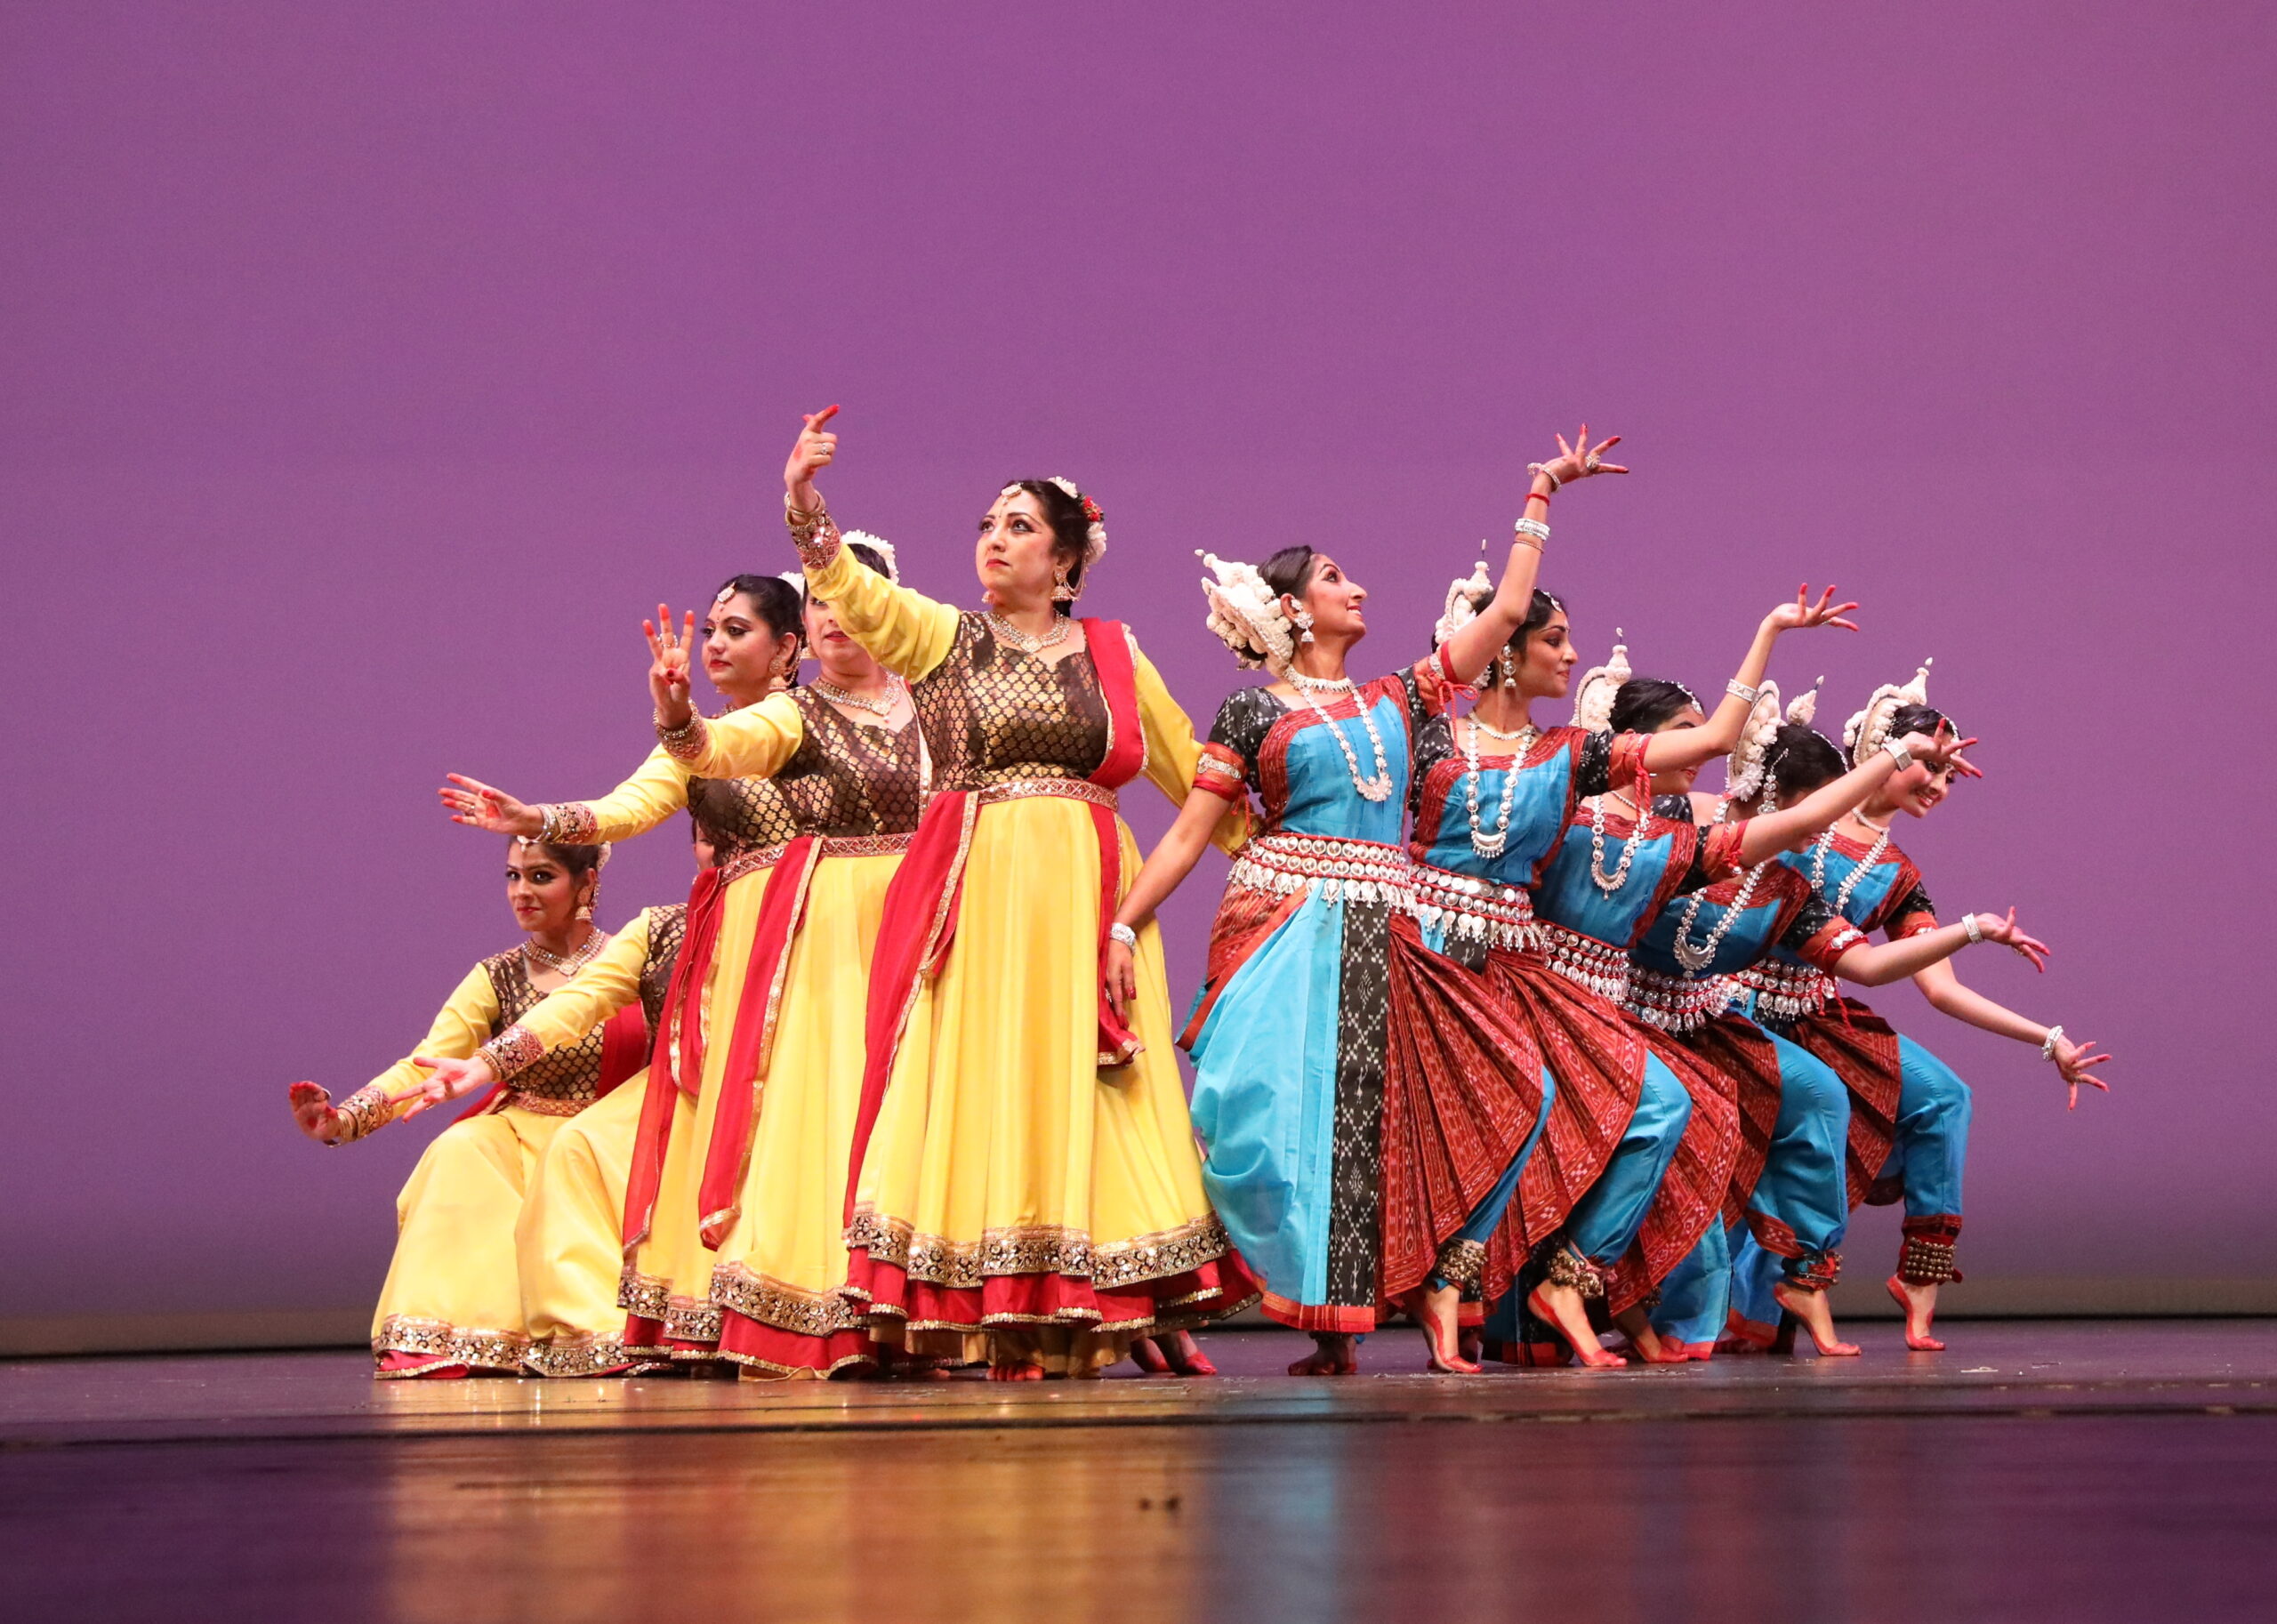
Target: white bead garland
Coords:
[(1377, 788), (1486, 842)]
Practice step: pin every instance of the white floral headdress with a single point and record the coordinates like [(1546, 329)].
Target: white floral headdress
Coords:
[(882, 547), (1869, 730), (1803, 711), (1246, 615), (1593, 698), (1743, 768), (1465, 595)]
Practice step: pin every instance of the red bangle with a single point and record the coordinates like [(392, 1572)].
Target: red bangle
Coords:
[(1541, 496)]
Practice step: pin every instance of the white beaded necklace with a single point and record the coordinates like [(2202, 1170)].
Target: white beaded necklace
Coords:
[(566, 965), (1028, 642), (1699, 957), (1824, 844), (1377, 788), (1612, 882), (1486, 842)]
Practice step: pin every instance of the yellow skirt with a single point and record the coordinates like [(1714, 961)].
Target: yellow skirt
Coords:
[(570, 1243), (1010, 1187), (452, 1294), (782, 1263), (667, 1284)]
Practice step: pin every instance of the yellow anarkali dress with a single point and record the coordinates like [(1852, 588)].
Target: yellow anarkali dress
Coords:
[(452, 1297), (1018, 1182)]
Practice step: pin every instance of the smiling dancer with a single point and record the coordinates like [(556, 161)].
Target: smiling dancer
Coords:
[(1359, 1094), (1027, 1184), (1909, 1118), (453, 1300)]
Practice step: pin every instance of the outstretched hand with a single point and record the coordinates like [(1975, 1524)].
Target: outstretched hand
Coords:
[(1580, 460), (479, 806), (312, 1112), (2072, 1061), (1942, 750), (1802, 614), (2005, 930), (447, 1080), (669, 653), (816, 446)]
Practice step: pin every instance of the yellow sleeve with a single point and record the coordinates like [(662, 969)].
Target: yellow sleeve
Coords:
[(1172, 750), (752, 743), (463, 1026), (568, 1013), (654, 792), (904, 631)]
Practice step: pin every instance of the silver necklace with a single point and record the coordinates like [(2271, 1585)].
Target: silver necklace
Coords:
[(1610, 883), (1490, 842), (836, 694), (1824, 844), (1377, 788), (576, 958), (1028, 642), (1699, 957)]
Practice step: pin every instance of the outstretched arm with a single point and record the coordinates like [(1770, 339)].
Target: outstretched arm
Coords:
[(2074, 1061), (461, 1027), (1469, 651), (1877, 965), (1690, 746), (1772, 832)]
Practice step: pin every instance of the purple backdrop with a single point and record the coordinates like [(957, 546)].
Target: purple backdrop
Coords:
[(370, 373)]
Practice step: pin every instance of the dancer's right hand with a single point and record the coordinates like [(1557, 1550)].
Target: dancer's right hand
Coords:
[(447, 1079), (478, 806), (668, 660), (312, 1112), (816, 446), (1942, 751), (1119, 979)]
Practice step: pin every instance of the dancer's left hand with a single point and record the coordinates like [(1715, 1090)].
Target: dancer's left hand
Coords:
[(2072, 1061), (2005, 930), (1802, 614), (447, 1080), (1119, 979)]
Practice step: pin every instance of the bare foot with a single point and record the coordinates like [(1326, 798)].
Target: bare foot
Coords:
[(1810, 1307), (1333, 1355), (1435, 1311), (1634, 1325), (1561, 1308), (1920, 1306)]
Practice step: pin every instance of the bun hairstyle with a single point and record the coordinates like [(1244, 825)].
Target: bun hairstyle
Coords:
[(1801, 760), (1078, 530), (1245, 612), (1645, 704)]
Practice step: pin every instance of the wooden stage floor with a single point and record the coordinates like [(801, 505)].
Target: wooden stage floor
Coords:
[(2058, 1470)]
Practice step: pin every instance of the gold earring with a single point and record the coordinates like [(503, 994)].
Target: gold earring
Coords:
[(1062, 592)]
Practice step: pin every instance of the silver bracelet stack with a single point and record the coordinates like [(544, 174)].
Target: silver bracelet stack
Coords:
[(2048, 1044), (1741, 691), (1898, 753), (1124, 934), (1970, 928)]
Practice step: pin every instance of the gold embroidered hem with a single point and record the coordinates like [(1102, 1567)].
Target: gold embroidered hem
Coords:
[(488, 1350), (797, 1372), (643, 1295), (770, 1302), (1041, 1249), (689, 1321), (749, 860), (542, 1105), (567, 1357), (994, 791)]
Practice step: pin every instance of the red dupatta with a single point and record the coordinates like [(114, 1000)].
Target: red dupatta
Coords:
[(923, 900), (705, 901)]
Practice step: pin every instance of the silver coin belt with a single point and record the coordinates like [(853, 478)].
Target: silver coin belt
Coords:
[(1785, 992), (1482, 910), (1598, 966), (1354, 871), (1674, 1003)]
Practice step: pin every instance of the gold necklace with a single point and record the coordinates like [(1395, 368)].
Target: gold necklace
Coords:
[(576, 958)]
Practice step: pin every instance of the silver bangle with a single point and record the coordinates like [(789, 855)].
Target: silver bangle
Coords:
[(2048, 1044), (1898, 753), (1538, 468), (1124, 934), (1534, 527), (1969, 928), (1740, 691)]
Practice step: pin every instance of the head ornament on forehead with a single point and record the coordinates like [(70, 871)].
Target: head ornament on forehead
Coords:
[(882, 547), (1869, 730), (1593, 697), (1246, 616)]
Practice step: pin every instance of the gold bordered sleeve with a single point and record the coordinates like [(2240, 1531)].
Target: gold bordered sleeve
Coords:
[(464, 1025), (571, 1010), (903, 631), (752, 743), (657, 789), (1174, 756)]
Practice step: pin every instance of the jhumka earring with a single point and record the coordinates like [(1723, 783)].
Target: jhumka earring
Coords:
[(1062, 592), (1304, 623)]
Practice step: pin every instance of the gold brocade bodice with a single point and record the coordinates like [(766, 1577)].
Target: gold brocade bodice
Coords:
[(565, 1080), (847, 779), (741, 814), (993, 713)]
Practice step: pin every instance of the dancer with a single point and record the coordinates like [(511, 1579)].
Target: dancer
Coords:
[(751, 644), (1617, 862), (452, 1302), (1787, 1184), (1909, 1117), (1359, 1094), (1028, 1186)]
